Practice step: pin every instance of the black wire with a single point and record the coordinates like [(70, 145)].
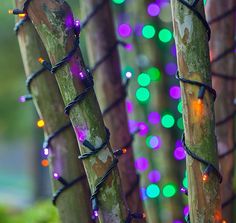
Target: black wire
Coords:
[(228, 152), (226, 203), (201, 18), (133, 186), (205, 162), (226, 119), (20, 23), (55, 134), (65, 187), (96, 9), (224, 76), (197, 83), (220, 17)]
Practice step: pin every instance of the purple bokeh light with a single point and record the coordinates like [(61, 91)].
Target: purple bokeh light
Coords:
[(141, 164), (155, 142), (178, 143), (186, 210), (143, 129), (133, 125), (129, 47), (154, 176), (124, 30), (56, 175), (177, 221), (179, 153), (154, 118), (153, 9), (138, 29), (22, 99), (129, 106), (171, 68), (143, 193), (173, 50), (175, 92), (69, 20)]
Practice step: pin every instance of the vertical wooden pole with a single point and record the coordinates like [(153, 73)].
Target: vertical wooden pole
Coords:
[(63, 154), (101, 39), (54, 22), (199, 121), (223, 38)]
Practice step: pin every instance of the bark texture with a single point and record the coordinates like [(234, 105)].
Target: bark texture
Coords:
[(64, 150), (100, 36), (53, 21), (223, 38), (199, 125)]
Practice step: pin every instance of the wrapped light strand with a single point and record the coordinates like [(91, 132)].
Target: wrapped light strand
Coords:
[(89, 86)]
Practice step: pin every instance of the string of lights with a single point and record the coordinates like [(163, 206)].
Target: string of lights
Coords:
[(89, 83), (210, 168)]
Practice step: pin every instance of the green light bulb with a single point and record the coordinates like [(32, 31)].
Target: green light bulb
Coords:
[(165, 35), (148, 31), (153, 191), (144, 80), (142, 94), (169, 190), (180, 107), (167, 121)]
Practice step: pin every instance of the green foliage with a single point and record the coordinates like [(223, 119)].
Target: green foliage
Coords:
[(43, 212)]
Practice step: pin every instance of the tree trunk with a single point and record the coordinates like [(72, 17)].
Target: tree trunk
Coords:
[(223, 35), (64, 148), (108, 85), (55, 24), (199, 121)]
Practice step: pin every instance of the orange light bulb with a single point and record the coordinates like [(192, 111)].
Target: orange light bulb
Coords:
[(10, 11), (124, 150), (40, 60), (197, 106), (44, 163), (22, 15), (205, 177)]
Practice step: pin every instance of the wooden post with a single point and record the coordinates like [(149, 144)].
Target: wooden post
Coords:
[(101, 41), (64, 152), (55, 24), (223, 38), (199, 122)]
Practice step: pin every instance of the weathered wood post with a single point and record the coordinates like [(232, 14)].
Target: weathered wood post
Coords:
[(198, 110), (54, 22), (102, 43), (63, 149), (223, 39)]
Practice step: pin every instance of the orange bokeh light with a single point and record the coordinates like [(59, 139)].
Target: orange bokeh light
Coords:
[(44, 163)]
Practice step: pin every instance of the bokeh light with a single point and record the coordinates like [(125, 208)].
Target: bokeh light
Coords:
[(165, 35), (179, 153), (175, 92), (169, 190), (148, 31), (141, 164), (129, 106), (153, 9), (154, 118), (180, 123), (154, 73), (171, 68), (124, 30), (143, 129), (118, 1), (142, 94), (154, 176), (152, 191), (153, 142), (144, 80), (167, 121), (180, 107)]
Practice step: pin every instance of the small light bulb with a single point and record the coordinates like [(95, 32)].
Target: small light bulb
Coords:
[(56, 175), (40, 60), (95, 213), (46, 151), (124, 150), (77, 23), (22, 15), (205, 177), (40, 123), (22, 99), (10, 11), (144, 215), (44, 163), (128, 74)]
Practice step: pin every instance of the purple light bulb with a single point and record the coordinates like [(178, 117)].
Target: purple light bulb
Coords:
[(22, 99), (56, 176)]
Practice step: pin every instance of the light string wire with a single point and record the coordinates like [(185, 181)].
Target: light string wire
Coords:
[(47, 66), (223, 76), (202, 88)]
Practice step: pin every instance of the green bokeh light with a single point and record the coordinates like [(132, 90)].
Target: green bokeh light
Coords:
[(144, 80), (169, 190), (154, 73), (153, 191), (118, 1), (142, 94), (148, 31), (180, 107), (180, 123), (205, 1), (167, 121), (185, 182), (165, 35)]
